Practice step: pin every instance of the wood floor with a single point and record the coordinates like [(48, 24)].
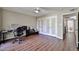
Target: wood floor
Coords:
[(40, 43)]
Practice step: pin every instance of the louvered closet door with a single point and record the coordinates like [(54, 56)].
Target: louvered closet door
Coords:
[(52, 25), (44, 26), (47, 25), (40, 25)]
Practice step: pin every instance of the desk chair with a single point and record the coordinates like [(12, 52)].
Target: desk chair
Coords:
[(18, 34)]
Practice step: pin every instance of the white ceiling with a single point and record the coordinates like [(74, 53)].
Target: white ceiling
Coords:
[(43, 10)]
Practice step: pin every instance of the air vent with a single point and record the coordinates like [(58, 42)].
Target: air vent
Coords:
[(73, 9)]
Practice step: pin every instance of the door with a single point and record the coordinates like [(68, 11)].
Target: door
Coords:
[(70, 25)]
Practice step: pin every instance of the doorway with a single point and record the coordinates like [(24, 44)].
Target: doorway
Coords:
[(70, 25), (70, 21), (70, 29)]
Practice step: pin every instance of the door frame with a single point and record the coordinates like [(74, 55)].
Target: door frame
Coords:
[(66, 20), (77, 12)]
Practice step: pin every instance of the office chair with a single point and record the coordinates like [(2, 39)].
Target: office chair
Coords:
[(18, 34)]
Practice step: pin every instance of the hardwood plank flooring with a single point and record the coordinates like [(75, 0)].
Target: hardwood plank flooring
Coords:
[(70, 42), (40, 43)]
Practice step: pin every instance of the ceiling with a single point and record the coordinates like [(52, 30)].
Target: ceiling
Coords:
[(43, 10)]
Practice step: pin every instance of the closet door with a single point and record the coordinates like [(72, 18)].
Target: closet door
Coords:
[(52, 25), (44, 25), (40, 25), (47, 26)]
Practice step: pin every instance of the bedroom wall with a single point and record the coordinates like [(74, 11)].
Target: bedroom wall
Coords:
[(17, 18), (0, 18)]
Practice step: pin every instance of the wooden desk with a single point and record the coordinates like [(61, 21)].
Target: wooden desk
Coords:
[(4, 33)]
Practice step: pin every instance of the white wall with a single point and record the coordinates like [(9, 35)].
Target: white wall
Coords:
[(0, 18), (17, 18)]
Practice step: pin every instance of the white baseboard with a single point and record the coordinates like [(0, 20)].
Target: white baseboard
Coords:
[(51, 35), (77, 43), (59, 37)]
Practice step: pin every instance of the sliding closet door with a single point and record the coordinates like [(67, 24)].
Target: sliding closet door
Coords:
[(40, 25), (47, 25), (52, 25)]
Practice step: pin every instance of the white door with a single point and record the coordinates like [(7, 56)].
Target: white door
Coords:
[(70, 25)]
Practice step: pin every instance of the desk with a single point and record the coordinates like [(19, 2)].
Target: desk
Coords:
[(4, 33)]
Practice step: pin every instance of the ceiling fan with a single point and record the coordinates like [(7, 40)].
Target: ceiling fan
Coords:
[(37, 10)]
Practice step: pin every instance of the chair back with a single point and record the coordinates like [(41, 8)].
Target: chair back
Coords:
[(18, 32)]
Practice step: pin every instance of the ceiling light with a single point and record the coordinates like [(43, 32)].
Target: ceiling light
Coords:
[(36, 10), (73, 17)]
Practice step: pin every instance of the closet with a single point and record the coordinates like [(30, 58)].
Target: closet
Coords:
[(47, 25)]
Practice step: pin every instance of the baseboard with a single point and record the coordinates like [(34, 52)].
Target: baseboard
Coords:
[(77, 44), (59, 37), (51, 35)]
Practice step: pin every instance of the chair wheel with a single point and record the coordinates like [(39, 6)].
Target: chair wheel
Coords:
[(19, 42), (13, 42)]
